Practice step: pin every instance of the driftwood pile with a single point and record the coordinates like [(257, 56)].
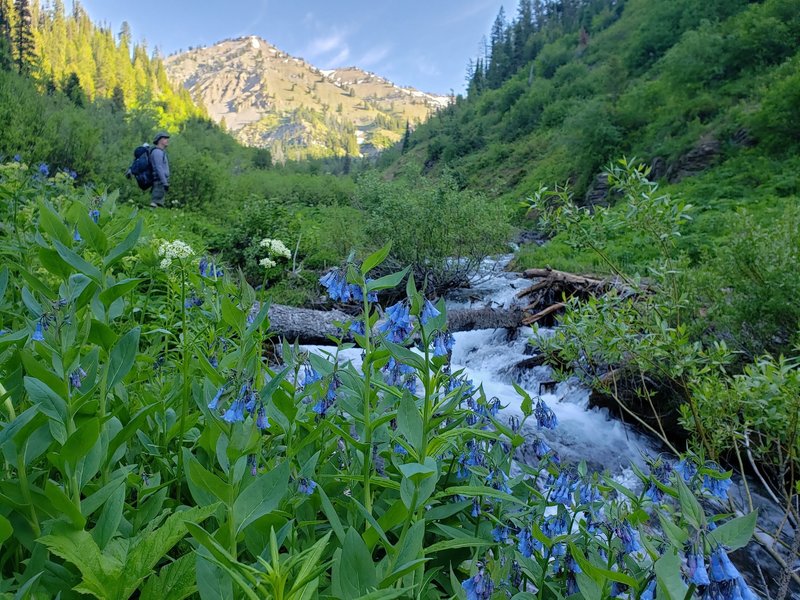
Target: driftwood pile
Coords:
[(547, 296)]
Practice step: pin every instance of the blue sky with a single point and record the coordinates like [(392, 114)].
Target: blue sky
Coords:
[(421, 43)]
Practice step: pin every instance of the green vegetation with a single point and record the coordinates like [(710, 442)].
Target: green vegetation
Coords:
[(151, 451)]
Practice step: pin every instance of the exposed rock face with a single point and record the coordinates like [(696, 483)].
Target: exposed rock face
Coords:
[(270, 99), (697, 160)]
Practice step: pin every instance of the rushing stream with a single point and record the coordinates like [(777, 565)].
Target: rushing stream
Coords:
[(489, 358)]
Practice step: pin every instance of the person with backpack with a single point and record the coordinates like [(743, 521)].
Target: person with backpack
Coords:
[(160, 164)]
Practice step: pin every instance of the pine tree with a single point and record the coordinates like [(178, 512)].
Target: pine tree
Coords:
[(118, 100), (73, 90), (5, 36), (23, 36), (406, 139)]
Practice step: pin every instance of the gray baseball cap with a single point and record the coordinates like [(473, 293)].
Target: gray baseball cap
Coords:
[(159, 135)]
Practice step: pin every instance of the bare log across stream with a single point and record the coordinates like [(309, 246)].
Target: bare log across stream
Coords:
[(310, 326)]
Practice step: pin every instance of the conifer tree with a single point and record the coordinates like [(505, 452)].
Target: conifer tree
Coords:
[(406, 139), (5, 36), (23, 36)]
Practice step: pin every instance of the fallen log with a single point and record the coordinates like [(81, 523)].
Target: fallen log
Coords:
[(309, 326)]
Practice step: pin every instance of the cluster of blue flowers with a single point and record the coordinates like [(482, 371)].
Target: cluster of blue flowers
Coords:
[(245, 403), (717, 485), (209, 269), (479, 586), (443, 343), (193, 301), (335, 283), (400, 375), (76, 377), (397, 327)]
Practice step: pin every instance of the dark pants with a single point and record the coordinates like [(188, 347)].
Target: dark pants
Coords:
[(158, 193)]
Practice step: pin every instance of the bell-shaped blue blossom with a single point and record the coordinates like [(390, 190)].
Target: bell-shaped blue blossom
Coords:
[(500, 534), (94, 215), (726, 581), (649, 592), (306, 485), (476, 508), (193, 301), (544, 415), (589, 494), (722, 569), (479, 586), (38, 334), (715, 485), (17, 158), (687, 469), (397, 326), (336, 285), (76, 377), (253, 313), (654, 493), (429, 311), (235, 412), (554, 526), (540, 448), (400, 450), (214, 404), (696, 568), (443, 343), (525, 543), (310, 375), (252, 462), (262, 422), (629, 537), (358, 295), (396, 373), (357, 327), (497, 479), (44, 170), (76, 237), (562, 489)]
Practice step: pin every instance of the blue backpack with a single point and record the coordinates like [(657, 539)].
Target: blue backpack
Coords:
[(140, 168)]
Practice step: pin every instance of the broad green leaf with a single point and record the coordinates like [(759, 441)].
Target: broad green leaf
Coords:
[(376, 258), (53, 262), (6, 529), (46, 399), (261, 497), (102, 335), (690, 507), (418, 472), (91, 233), (387, 281), (117, 290), (50, 222), (110, 517), (212, 581), (78, 263), (207, 481), (3, 282), (123, 354), (330, 513), (80, 442), (464, 542), (676, 534), (123, 247), (737, 532), (406, 356), (668, 573), (353, 569), (409, 421), (478, 490), (175, 581)]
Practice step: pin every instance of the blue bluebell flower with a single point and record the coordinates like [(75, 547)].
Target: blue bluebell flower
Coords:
[(76, 377), (429, 311), (540, 448), (38, 334), (397, 325), (562, 489), (497, 479), (554, 526), (714, 485), (500, 534), (253, 313), (544, 415), (253, 464), (213, 361), (396, 373), (589, 493), (193, 301), (72, 174), (443, 343), (654, 493), (44, 170), (628, 536), (215, 400), (525, 543), (310, 375), (696, 568), (76, 237), (235, 412), (17, 158), (649, 591), (262, 422), (479, 586), (357, 327), (476, 508), (400, 450), (306, 485), (336, 285), (358, 296), (687, 468), (94, 215)]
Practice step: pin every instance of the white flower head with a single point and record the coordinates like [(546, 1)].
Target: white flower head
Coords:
[(275, 248), (175, 250), (267, 263)]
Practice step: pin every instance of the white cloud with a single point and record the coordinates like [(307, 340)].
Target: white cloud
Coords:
[(472, 9), (373, 56)]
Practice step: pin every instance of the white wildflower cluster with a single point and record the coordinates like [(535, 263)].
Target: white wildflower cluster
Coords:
[(275, 249), (175, 250)]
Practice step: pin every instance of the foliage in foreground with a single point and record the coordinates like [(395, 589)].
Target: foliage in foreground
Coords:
[(150, 448)]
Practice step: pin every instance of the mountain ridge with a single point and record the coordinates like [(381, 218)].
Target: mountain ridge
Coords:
[(268, 98)]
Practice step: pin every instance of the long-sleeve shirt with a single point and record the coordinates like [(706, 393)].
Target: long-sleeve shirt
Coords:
[(160, 164)]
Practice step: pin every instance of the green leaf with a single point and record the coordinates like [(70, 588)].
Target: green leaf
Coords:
[(51, 261), (479, 490), (117, 290), (175, 581), (207, 481), (212, 581), (690, 507), (80, 442), (47, 400), (527, 402), (50, 222), (409, 421), (464, 542), (406, 356), (110, 517), (102, 335), (330, 513), (737, 532), (123, 355), (78, 263), (376, 258), (668, 574), (353, 569), (387, 281), (91, 233), (417, 472), (6, 529), (123, 247), (261, 497), (3, 281)]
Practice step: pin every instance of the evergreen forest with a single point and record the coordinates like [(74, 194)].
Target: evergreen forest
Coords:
[(160, 441)]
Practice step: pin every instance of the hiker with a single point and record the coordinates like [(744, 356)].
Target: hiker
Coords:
[(160, 164)]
